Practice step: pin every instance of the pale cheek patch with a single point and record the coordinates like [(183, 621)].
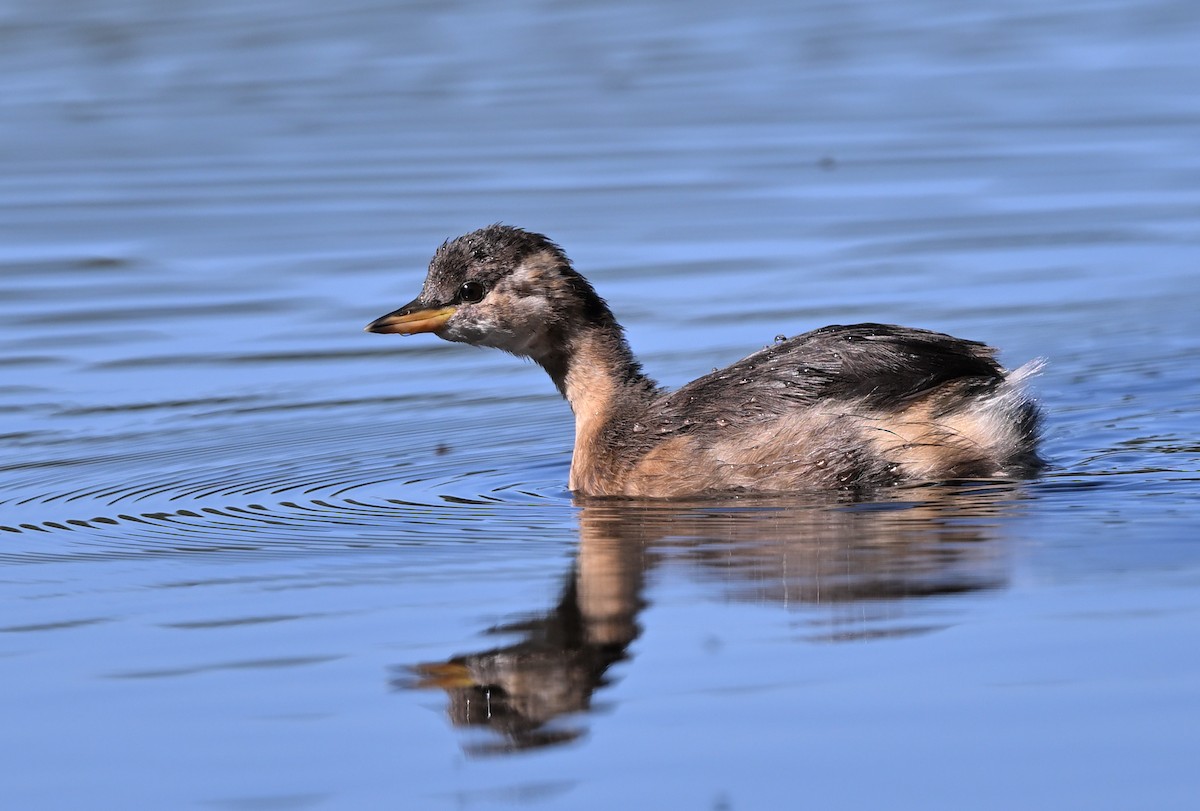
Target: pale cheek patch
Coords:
[(525, 281), (535, 277), (466, 326), (522, 313), (503, 321)]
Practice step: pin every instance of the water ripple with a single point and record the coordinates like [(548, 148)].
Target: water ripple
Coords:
[(265, 482)]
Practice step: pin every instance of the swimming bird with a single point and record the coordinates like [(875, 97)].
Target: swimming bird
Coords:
[(841, 407)]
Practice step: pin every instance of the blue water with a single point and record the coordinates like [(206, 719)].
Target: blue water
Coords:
[(254, 558)]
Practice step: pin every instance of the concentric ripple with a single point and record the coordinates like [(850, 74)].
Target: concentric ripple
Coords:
[(275, 484)]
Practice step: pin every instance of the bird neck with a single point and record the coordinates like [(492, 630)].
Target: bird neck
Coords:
[(594, 368), (602, 381)]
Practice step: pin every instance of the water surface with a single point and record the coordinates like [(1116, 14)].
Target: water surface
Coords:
[(251, 557)]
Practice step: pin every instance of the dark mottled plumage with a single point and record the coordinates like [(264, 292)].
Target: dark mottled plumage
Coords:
[(840, 406)]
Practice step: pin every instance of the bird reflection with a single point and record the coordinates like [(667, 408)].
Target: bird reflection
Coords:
[(857, 568), (520, 691)]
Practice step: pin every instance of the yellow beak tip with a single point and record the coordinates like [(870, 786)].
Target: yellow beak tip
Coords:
[(412, 323)]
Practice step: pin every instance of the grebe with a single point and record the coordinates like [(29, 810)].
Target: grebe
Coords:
[(839, 407)]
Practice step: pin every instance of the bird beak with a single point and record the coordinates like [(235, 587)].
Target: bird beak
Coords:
[(414, 317), (447, 675)]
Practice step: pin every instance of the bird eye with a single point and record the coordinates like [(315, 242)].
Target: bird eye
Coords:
[(471, 292)]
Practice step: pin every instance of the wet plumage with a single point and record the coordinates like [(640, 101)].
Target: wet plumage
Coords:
[(839, 407)]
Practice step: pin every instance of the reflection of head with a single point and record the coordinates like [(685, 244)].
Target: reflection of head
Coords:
[(862, 561), (516, 693), (520, 690)]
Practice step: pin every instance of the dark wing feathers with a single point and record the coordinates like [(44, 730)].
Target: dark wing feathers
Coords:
[(879, 364), (888, 365)]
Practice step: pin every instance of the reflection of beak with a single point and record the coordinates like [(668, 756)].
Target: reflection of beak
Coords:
[(414, 317), (446, 675)]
